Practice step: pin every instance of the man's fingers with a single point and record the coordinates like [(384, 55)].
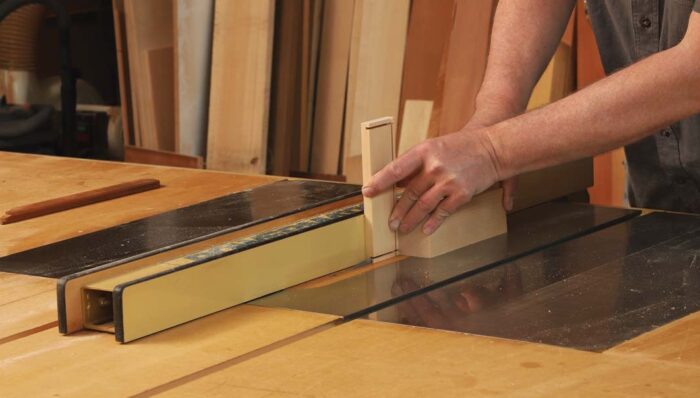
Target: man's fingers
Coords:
[(400, 168), (410, 196), (421, 208), (510, 187), (446, 208)]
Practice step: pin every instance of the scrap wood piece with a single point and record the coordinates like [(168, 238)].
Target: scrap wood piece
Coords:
[(240, 85), (77, 200)]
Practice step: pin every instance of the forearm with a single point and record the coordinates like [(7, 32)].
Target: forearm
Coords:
[(519, 52), (615, 111)]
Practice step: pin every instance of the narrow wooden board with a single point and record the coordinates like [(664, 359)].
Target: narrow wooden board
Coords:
[(377, 152), (285, 100), (463, 66), (134, 154), (156, 298), (374, 77), (329, 109), (428, 34), (367, 358), (193, 25), (415, 124), (155, 360), (123, 71), (480, 219), (310, 44), (161, 76), (27, 315), (240, 85), (149, 26)]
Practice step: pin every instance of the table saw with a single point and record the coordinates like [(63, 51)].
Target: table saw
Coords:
[(574, 299)]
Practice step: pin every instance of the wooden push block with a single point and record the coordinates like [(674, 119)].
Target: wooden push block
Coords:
[(480, 219), (377, 152)]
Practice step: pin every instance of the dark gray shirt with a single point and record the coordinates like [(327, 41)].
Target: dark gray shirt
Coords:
[(663, 169)]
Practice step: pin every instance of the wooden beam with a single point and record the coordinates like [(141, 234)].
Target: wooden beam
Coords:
[(162, 158), (240, 85), (377, 152)]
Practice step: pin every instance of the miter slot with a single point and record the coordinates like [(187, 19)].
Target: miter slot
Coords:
[(98, 310)]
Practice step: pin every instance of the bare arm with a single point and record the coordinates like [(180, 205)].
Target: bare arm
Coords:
[(524, 37), (617, 110)]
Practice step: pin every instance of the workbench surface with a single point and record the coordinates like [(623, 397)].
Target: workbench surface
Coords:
[(259, 351)]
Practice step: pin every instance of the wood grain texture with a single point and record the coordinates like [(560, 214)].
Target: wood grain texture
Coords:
[(161, 76), (24, 178), (678, 341), (133, 368), (428, 34), (26, 315), (85, 198), (377, 152), (463, 66), (149, 26), (240, 85), (121, 46), (480, 219), (365, 358), (134, 154), (415, 124), (285, 99), (374, 76), (332, 86), (193, 25)]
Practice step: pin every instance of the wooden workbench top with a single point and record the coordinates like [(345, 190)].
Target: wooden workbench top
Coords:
[(253, 351)]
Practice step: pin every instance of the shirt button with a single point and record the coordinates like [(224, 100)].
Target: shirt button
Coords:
[(666, 132), (645, 22)]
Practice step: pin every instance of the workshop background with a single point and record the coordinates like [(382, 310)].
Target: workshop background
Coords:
[(265, 86)]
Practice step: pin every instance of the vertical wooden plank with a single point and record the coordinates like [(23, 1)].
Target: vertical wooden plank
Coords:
[(377, 152), (160, 71), (194, 21), (463, 66), (332, 85), (240, 85), (285, 104), (123, 71), (428, 34), (414, 127), (374, 78), (310, 54), (149, 27)]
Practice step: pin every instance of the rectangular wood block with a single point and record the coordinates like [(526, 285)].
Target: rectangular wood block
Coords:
[(480, 219), (377, 152)]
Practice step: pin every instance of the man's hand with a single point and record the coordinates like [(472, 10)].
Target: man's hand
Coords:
[(440, 175)]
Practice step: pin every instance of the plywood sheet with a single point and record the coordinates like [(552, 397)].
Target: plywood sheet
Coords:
[(240, 85)]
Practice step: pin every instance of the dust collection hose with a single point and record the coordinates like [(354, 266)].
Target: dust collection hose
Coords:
[(68, 92)]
